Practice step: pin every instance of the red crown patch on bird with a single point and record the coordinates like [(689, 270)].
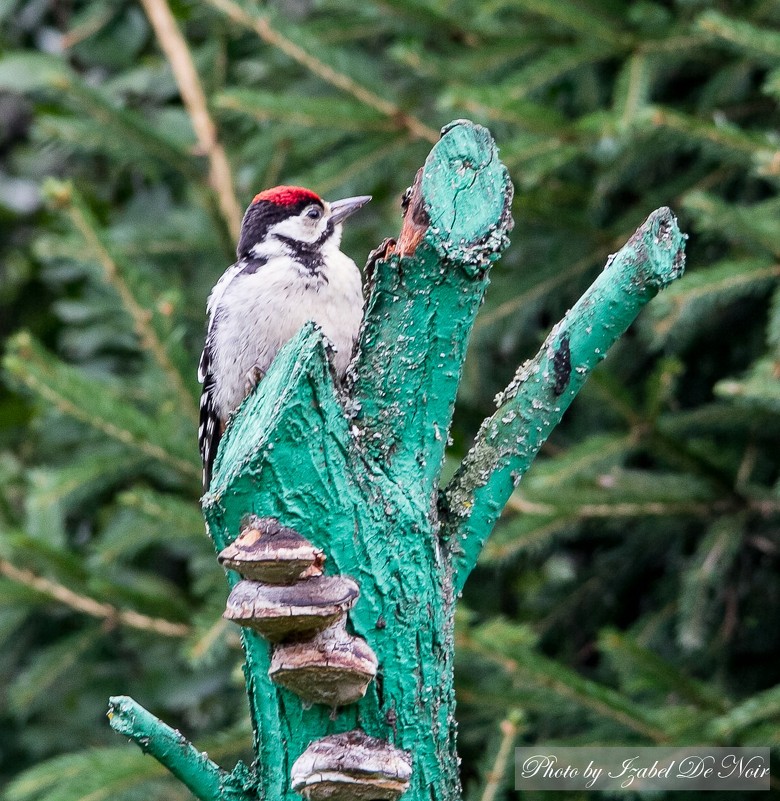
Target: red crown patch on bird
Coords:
[(287, 195)]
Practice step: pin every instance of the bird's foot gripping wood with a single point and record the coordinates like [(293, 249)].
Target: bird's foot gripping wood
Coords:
[(253, 378)]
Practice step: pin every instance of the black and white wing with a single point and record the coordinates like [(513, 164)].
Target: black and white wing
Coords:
[(210, 428), (211, 425)]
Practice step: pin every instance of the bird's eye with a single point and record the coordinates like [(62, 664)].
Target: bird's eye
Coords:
[(314, 213)]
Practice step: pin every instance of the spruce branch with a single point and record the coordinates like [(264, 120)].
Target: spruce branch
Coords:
[(91, 403), (741, 35), (533, 536), (526, 667), (737, 722), (632, 89), (128, 124), (729, 138), (122, 124), (607, 510), (340, 114), (83, 221), (581, 20), (168, 509), (625, 650), (69, 408), (542, 288), (709, 286), (79, 32), (174, 45), (263, 28), (89, 606), (675, 43), (552, 65), (360, 165), (533, 404), (45, 72)]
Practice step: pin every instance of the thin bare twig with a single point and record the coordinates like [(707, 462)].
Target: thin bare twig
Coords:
[(263, 29), (179, 57), (509, 733), (89, 606), (90, 27), (206, 642), (646, 509)]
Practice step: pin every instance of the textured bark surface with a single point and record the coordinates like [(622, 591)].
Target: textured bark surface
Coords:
[(306, 468), (356, 471), (361, 489), (544, 387)]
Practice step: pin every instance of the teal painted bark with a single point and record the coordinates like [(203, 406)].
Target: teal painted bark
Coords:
[(533, 404), (422, 308), (292, 456), (205, 779), (357, 472)]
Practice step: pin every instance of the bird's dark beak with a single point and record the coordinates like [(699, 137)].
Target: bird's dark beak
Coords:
[(341, 209)]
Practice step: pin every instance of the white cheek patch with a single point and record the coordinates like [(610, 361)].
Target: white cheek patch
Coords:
[(301, 229)]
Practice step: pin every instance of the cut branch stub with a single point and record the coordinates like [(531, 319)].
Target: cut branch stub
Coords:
[(468, 197), (269, 552), (291, 611), (351, 767), (205, 779), (333, 668), (405, 378)]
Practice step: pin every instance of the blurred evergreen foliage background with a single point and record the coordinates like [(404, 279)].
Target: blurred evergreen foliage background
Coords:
[(630, 592)]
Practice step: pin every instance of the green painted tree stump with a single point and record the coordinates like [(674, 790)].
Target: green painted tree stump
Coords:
[(356, 470)]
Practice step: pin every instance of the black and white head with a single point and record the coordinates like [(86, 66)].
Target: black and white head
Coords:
[(293, 219)]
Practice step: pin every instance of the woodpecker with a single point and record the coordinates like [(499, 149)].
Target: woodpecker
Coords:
[(290, 270)]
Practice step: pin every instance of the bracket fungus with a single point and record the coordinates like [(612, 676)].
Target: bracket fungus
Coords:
[(267, 551), (351, 767), (291, 611), (334, 668)]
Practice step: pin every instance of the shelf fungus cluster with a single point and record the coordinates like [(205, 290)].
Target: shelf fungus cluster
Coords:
[(351, 767), (287, 599)]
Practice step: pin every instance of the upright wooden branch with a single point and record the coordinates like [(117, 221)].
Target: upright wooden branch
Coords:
[(425, 294), (544, 387), (351, 474)]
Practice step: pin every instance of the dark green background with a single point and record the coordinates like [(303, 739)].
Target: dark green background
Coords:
[(630, 593)]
